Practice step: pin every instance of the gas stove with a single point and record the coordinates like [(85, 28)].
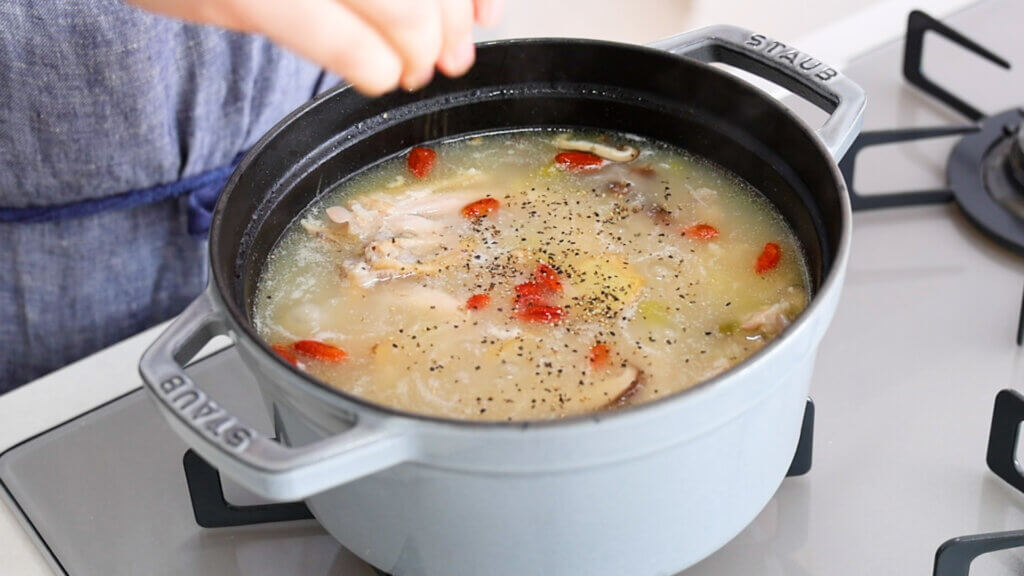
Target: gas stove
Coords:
[(917, 412)]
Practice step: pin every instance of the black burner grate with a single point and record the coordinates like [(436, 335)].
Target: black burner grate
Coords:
[(895, 199), (954, 557), (919, 23), (212, 510), (985, 171)]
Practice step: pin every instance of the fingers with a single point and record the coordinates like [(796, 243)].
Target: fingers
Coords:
[(376, 45), (414, 30), (457, 52), (323, 31), (487, 13)]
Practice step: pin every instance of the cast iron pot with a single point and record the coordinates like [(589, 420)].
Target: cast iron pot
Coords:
[(649, 489)]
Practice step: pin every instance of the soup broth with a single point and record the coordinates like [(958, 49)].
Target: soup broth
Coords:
[(531, 275)]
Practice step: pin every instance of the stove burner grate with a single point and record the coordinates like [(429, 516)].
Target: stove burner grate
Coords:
[(212, 509), (919, 23), (895, 199), (985, 170), (955, 555)]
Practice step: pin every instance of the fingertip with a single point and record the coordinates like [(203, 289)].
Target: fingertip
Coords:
[(378, 77), (413, 31), (415, 81), (458, 61), (373, 90), (488, 12)]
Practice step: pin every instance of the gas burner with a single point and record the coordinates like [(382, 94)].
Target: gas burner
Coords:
[(985, 171), (1015, 161), (980, 175)]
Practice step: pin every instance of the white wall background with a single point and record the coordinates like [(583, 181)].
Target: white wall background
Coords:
[(645, 20)]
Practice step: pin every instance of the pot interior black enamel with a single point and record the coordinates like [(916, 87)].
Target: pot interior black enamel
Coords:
[(522, 84)]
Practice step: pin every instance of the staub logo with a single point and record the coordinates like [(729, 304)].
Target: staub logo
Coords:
[(194, 405), (780, 52)]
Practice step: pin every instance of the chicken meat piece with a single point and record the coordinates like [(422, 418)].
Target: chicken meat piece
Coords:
[(772, 320)]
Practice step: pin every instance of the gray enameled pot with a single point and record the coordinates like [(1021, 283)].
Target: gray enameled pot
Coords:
[(649, 489)]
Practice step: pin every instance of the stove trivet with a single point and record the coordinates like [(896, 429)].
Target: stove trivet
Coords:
[(801, 463), (212, 510), (918, 23), (1020, 323), (955, 555), (985, 170), (1004, 435), (896, 199)]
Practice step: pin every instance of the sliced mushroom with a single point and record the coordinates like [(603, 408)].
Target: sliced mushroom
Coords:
[(627, 383), (621, 153)]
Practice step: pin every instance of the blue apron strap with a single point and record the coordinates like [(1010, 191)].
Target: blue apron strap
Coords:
[(203, 190), (201, 203)]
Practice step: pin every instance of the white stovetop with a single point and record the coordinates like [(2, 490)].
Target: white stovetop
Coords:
[(74, 389)]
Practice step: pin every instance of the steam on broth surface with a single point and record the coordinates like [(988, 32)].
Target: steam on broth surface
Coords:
[(531, 275)]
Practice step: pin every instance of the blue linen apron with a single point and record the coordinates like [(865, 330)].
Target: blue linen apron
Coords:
[(117, 130)]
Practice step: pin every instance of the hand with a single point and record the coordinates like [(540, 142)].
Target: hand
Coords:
[(376, 45)]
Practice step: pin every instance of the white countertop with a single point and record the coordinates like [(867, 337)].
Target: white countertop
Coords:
[(105, 375)]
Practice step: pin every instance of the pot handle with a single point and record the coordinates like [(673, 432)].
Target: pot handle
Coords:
[(260, 464), (809, 78)]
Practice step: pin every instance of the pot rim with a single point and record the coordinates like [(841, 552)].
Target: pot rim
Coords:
[(832, 281)]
